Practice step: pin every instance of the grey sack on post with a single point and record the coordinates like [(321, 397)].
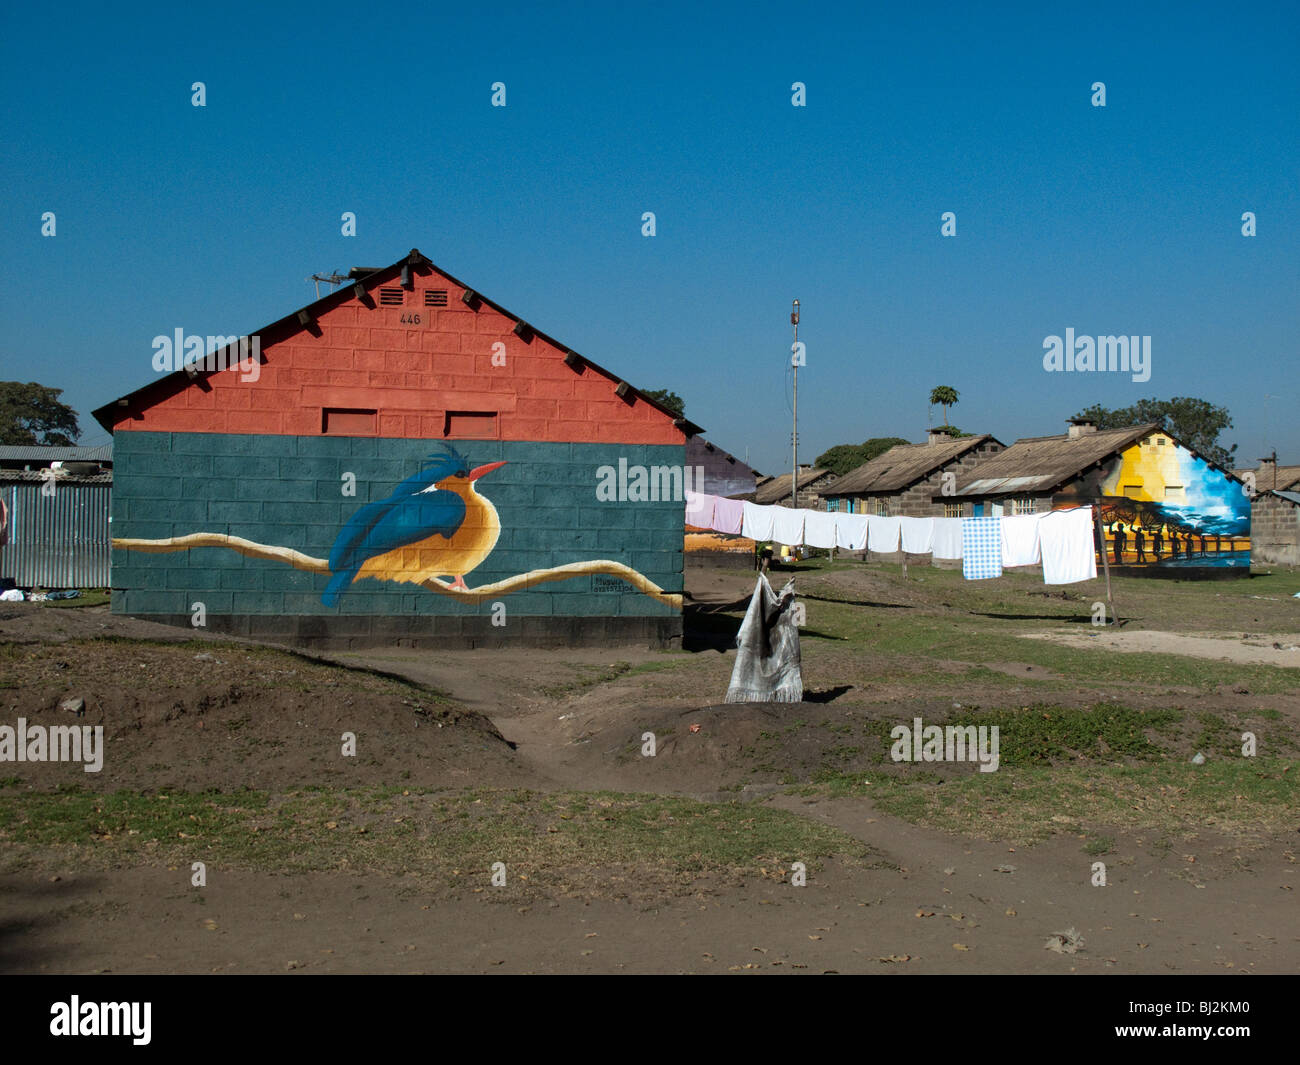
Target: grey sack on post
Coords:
[(767, 656)]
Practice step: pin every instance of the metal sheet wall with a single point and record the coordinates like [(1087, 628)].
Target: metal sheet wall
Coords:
[(60, 540)]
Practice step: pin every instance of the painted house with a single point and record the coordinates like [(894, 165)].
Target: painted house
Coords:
[(1165, 510), (1274, 512), (720, 474), (905, 479), (403, 460)]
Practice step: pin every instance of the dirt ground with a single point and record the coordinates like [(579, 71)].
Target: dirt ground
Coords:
[(1275, 650), (186, 711), (947, 911)]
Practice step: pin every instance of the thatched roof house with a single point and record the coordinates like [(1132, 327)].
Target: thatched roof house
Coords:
[(1162, 505), (776, 490), (1038, 465), (906, 478)]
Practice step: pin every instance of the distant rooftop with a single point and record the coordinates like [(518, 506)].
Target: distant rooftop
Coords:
[(26, 453), (1043, 463), (904, 464), (775, 489)]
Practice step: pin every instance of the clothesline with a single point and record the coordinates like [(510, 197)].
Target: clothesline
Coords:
[(1060, 540)]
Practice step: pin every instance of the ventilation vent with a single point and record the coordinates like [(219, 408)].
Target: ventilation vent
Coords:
[(391, 297), (435, 297)]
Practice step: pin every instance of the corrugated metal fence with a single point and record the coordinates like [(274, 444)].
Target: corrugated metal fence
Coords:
[(59, 540)]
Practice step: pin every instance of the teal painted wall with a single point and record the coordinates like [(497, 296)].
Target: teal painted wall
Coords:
[(286, 491)]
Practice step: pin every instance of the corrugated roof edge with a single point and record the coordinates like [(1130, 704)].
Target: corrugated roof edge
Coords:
[(55, 453), (291, 323)]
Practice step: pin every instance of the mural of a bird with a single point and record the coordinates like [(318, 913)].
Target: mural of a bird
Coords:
[(435, 524)]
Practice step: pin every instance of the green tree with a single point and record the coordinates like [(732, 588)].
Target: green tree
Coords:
[(945, 397), (671, 400), (32, 414), (844, 457), (1196, 422)]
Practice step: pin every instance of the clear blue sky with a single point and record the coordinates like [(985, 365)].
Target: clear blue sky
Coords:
[(1117, 220)]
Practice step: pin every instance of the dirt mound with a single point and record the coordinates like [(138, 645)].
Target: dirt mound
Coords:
[(194, 715)]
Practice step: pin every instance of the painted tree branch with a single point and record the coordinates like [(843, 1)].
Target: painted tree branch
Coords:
[(298, 560)]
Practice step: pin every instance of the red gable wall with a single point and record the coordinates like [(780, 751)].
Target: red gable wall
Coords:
[(366, 358)]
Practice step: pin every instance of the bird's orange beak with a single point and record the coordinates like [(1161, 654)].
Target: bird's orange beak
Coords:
[(478, 471)]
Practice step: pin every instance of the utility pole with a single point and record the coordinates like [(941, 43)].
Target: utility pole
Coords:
[(794, 436)]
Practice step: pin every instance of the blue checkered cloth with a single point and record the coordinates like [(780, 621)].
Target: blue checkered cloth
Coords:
[(981, 548)]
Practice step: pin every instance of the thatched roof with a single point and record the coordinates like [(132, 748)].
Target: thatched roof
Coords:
[(903, 465), (777, 489), (1287, 478), (1045, 463)]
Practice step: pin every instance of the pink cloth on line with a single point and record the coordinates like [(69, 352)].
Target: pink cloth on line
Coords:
[(699, 510), (728, 514)]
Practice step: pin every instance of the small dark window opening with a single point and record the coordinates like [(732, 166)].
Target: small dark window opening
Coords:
[(391, 297), (435, 297)]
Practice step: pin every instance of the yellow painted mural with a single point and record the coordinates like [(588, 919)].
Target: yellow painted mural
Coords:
[(1162, 505)]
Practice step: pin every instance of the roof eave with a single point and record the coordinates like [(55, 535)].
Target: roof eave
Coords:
[(108, 414)]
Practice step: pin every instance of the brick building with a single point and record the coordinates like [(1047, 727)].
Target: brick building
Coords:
[(316, 459), (906, 479), (1165, 510), (775, 491), (1274, 513)]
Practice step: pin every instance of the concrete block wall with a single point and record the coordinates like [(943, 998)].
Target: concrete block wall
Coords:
[(918, 501), (287, 491), (262, 459), (1275, 530)]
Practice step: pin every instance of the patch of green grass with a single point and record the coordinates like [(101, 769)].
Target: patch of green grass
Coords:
[(939, 616), (1247, 799), (1048, 734), (633, 844), (1216, 736), (87, 598)]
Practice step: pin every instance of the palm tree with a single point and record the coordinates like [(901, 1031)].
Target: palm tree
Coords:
[(945, 397)]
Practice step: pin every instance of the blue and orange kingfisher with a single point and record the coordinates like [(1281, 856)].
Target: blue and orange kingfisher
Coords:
[(435, 524)]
